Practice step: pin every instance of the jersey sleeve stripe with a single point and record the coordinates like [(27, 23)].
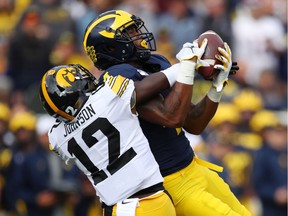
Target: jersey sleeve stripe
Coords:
[(118, 84), (123, 88)]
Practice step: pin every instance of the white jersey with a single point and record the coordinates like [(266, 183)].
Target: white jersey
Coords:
[(107, 143)]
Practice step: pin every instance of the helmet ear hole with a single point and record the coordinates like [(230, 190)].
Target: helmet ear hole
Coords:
[(60, 88), (110, 49)]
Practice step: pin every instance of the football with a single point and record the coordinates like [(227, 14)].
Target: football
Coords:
[(214, 41)]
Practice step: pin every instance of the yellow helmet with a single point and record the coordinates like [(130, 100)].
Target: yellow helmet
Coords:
[(263, 119), (248, 99), (4, 112), (23, 119), (226, 112)]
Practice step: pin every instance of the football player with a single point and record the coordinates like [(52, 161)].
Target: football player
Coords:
[(118, 42), (97, 128)]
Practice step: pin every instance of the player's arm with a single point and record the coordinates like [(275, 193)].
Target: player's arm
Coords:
[(200, 114), (171, 111)]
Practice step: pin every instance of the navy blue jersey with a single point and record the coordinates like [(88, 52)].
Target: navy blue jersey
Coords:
[(169, 145)]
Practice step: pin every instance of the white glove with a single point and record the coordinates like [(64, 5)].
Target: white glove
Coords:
[(191, 50), (221, 79), (188, 62)]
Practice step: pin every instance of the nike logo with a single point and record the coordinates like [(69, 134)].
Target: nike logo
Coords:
[(126, 202)]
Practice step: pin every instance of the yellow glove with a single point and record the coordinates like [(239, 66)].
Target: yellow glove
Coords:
[(221, 79)]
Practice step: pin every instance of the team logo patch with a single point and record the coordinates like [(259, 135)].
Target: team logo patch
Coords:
[(65, 77)]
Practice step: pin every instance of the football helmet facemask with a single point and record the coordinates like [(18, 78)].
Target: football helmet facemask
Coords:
[(65, 89), (107, 41)]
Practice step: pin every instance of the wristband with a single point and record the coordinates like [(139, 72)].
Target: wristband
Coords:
[(213, 95), (187, 72), (171, 73)]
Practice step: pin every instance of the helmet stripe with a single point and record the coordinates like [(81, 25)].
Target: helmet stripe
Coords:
[(91, 27), (50, 102)]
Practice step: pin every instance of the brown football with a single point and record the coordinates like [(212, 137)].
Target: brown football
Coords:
[(214, 41)]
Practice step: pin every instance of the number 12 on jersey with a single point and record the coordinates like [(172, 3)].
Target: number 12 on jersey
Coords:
[(116, 161)]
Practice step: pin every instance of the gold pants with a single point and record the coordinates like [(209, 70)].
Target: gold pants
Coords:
[(197, 190), (159, 204)]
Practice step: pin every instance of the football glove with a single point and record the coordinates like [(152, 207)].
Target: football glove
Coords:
[(190, 50), (221, 79), (234, 69)]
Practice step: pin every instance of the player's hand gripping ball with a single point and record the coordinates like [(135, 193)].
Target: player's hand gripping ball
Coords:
[(214, 41)]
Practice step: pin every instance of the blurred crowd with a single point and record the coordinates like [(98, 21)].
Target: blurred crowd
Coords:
[(247, 136)]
